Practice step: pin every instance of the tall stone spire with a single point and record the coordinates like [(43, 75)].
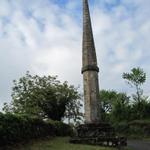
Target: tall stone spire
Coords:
[(90, 70), (94, 130)]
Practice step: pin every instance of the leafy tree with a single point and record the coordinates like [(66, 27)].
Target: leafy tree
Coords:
[(45, 97), (121, 108), (107, 99), (115, 105), (136, 78), (141, 109), (73, 110)]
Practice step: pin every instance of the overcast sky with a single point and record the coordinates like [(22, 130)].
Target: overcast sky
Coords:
[(45, 36)]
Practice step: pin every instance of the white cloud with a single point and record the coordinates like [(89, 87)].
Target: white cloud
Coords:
[(122, 40), (45, 38)]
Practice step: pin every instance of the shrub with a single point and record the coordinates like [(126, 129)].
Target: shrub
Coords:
[(17, 128), (136, 128), (62, 129), (121, 127), (140, 127)]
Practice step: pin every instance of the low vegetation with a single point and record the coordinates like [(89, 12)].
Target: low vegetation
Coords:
[(135, 128), (20, 128), (58, 143)]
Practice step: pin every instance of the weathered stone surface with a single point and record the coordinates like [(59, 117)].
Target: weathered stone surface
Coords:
[(90, 70), (91, 96), (98, 134)]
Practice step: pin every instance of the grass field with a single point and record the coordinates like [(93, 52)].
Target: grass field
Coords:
[(56, 144)]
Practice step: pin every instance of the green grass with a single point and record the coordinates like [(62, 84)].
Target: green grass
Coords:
[(57, 144)]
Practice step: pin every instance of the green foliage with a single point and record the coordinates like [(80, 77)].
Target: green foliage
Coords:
[(107, 99), (135, 128), (118, 109), (45, 97), (136, 78), (121, 110), (16, 128), (140, 110), (115, 105), (121, 127), (61, 129)]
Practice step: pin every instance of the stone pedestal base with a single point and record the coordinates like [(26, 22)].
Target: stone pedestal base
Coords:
[(98, 134)]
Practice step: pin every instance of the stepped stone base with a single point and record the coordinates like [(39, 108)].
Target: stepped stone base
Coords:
[(98, 134)]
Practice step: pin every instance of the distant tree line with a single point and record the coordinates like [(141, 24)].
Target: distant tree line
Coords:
[(119, 106), (128, 113), (48, 98)]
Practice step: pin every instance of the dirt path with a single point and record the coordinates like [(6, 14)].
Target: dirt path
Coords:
[(139, 145)]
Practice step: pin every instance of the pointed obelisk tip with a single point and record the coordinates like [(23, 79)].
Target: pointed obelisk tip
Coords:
[(89, 52)]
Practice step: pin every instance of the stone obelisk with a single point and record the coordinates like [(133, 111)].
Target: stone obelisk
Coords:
[(94, 130), (90, 70)]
